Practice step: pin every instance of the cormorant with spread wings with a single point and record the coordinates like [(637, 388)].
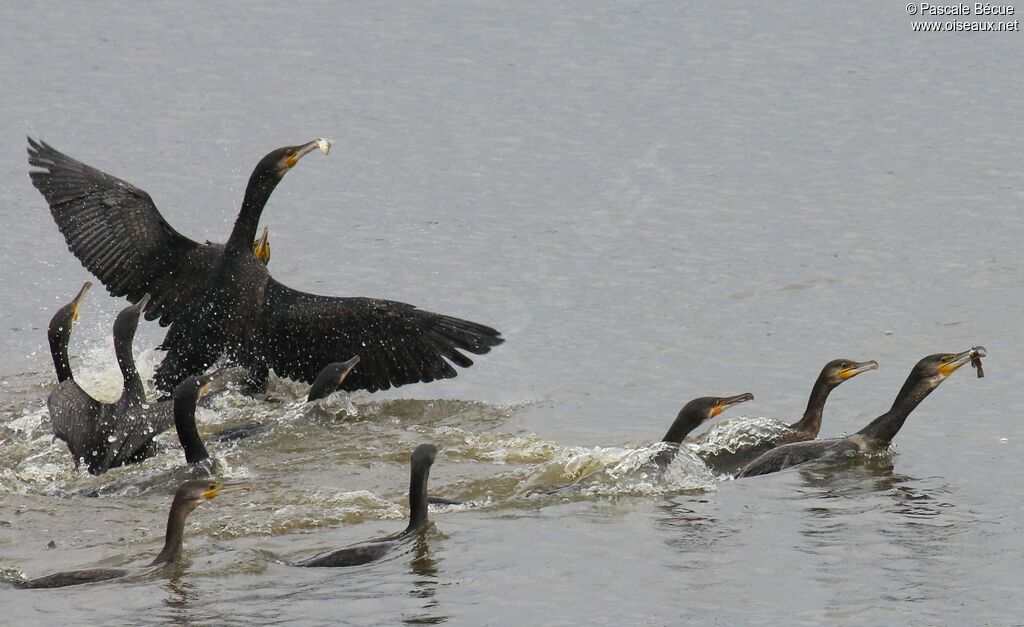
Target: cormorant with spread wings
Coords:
[(219, 299)]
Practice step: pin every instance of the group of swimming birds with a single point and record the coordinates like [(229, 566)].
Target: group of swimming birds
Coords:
[(224, 308)]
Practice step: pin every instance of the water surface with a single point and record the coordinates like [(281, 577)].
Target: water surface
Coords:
[(653, 201)]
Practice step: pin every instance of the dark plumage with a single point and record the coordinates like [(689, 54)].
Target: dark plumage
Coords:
[(219, 299), (926, 375), (188, 497), (107, 435), (752, 442), (372, 550), (186, 396)]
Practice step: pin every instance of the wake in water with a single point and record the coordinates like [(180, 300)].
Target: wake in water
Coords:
[(733, 434), (364, 440)]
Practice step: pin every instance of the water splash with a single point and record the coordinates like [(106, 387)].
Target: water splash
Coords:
[(740, 432)]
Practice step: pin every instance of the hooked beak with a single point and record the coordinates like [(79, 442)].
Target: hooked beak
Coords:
[(323, 144), (729, 401), (349, 365), (141, 305), (226, 488), (955, 361), (856, 369), (77, 302), (204, 386), (261, 247)]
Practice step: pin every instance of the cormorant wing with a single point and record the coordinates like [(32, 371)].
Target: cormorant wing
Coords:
[(105, 436), (130, 439), (73, 418), (118, 234), (396, 343)]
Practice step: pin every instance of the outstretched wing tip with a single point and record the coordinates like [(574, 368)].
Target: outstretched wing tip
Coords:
[(397, 343)]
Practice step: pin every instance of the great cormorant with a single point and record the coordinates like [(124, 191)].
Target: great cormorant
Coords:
[(59, 333), (728, 447), (107, 435), (699, 410), (926, 375), (372, 550), (219, 299), (186, 498), (692, 415)]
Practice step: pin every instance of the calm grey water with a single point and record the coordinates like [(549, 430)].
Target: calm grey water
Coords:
[(653, 201)]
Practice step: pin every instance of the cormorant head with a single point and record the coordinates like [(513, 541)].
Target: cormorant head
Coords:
[(839, 370), (330, 377), (191, 493), (192, 389), (279, 161), (935, 368), (261, 247), (61, 321), (128, 320), (699, 410), (423, 456), (707, 407), (339, 370)]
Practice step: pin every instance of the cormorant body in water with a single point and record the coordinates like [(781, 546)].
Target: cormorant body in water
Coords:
[(59, 333), (219, 299), (372, 550), (108, 435), (727, 448), (926, 375), (187, 498)]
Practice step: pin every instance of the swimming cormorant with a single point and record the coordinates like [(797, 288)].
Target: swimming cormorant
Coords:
[(59, 333), (220, 300), (108, 435), (693, 415), (728, 447), (186, 498), (926, 375), (372, 550)]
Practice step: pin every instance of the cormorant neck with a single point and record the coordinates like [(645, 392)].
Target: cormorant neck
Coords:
[(257, 193), (418, 499), (133, 389), (175, 531), (188, 434), (811, 420), (59, 337), (884, 428), (685, 422)]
